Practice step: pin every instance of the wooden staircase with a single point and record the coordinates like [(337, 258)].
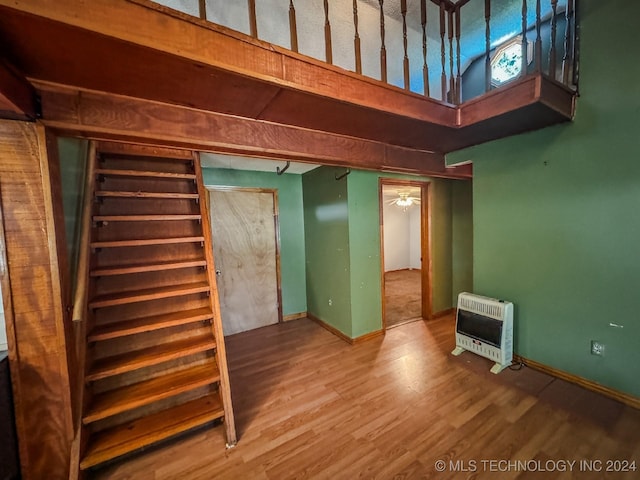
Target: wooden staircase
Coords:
[(154, 356)]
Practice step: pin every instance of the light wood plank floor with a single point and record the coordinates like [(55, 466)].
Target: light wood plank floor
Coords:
[(310, 406)]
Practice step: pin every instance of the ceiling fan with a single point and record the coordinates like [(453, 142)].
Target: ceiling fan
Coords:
[(404, 200)]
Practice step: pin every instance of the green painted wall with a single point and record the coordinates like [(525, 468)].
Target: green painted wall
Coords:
[(342, 231), (366, 268), (461, 238), (556, 227), (326, 228), (291, 220), (441, 245), (73, 159), (364, 236)]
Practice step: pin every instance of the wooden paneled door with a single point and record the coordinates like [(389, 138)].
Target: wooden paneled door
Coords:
[(247, 257)]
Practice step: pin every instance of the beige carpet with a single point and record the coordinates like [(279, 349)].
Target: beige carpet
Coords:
[(402, 295)]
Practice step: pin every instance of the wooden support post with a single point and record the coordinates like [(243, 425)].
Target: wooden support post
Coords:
[(554, 28), (383, 49), (538, 47), (568, 43), (452, 78), (487, 45), (356, 39), (293, 28), (202, 7), (443, 75), (327, 34), (525, 59), (35, 323), (253, 20), (405, 62), (459, 75), (425, 64)]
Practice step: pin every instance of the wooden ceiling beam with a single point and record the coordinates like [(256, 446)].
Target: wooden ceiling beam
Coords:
[(18, 100), (113, 117), (215, 49)]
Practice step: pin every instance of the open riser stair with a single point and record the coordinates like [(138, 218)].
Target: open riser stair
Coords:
[(155, 365)]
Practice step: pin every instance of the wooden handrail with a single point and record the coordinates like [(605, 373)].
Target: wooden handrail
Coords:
[(82, 272)]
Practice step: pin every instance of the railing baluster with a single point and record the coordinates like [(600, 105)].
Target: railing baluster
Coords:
[(443, 75), (293, 27), (383, 50), (552, 51), (459, 75), (405, 62), (327, 34), (356, 39), (425, 65), (452, 79), (487, 41), (253, 21), (202, 4), (538, 49), (525, 60), (568, 40)]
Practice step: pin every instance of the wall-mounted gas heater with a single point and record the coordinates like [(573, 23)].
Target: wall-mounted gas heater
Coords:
[(485, 326)]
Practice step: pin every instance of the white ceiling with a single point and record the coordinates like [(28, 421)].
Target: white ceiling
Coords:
[(390, 191), (234, 162)]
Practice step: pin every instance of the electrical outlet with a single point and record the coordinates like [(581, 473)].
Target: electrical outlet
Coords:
[(330, 302), (597, 348)]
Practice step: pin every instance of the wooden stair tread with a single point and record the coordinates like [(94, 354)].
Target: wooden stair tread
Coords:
[(147, 324), (147, 267), (145, 242), (137, 395), (123, 194), (136, 157), (126, 362), (117, 441), (146, 294), (143, 218), (144, 173)]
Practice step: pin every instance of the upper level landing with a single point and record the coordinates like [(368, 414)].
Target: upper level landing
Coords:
[(133, 70)]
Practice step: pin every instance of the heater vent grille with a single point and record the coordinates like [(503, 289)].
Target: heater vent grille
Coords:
[(487, 307)]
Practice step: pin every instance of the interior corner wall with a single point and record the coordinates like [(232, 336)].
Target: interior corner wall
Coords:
[(441, 245), (364, 240), (556, 222), (326, 230), (291, 223), (461, 238)]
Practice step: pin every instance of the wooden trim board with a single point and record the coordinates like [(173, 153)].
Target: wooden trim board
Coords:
[(343, 336), (442, 313), (101, 116), (294, 316), (622, 397)]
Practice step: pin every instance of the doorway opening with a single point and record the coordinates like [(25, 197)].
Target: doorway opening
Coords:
[(406, 260)]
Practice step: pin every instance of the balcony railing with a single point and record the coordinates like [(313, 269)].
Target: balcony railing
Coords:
[(448, 50)]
